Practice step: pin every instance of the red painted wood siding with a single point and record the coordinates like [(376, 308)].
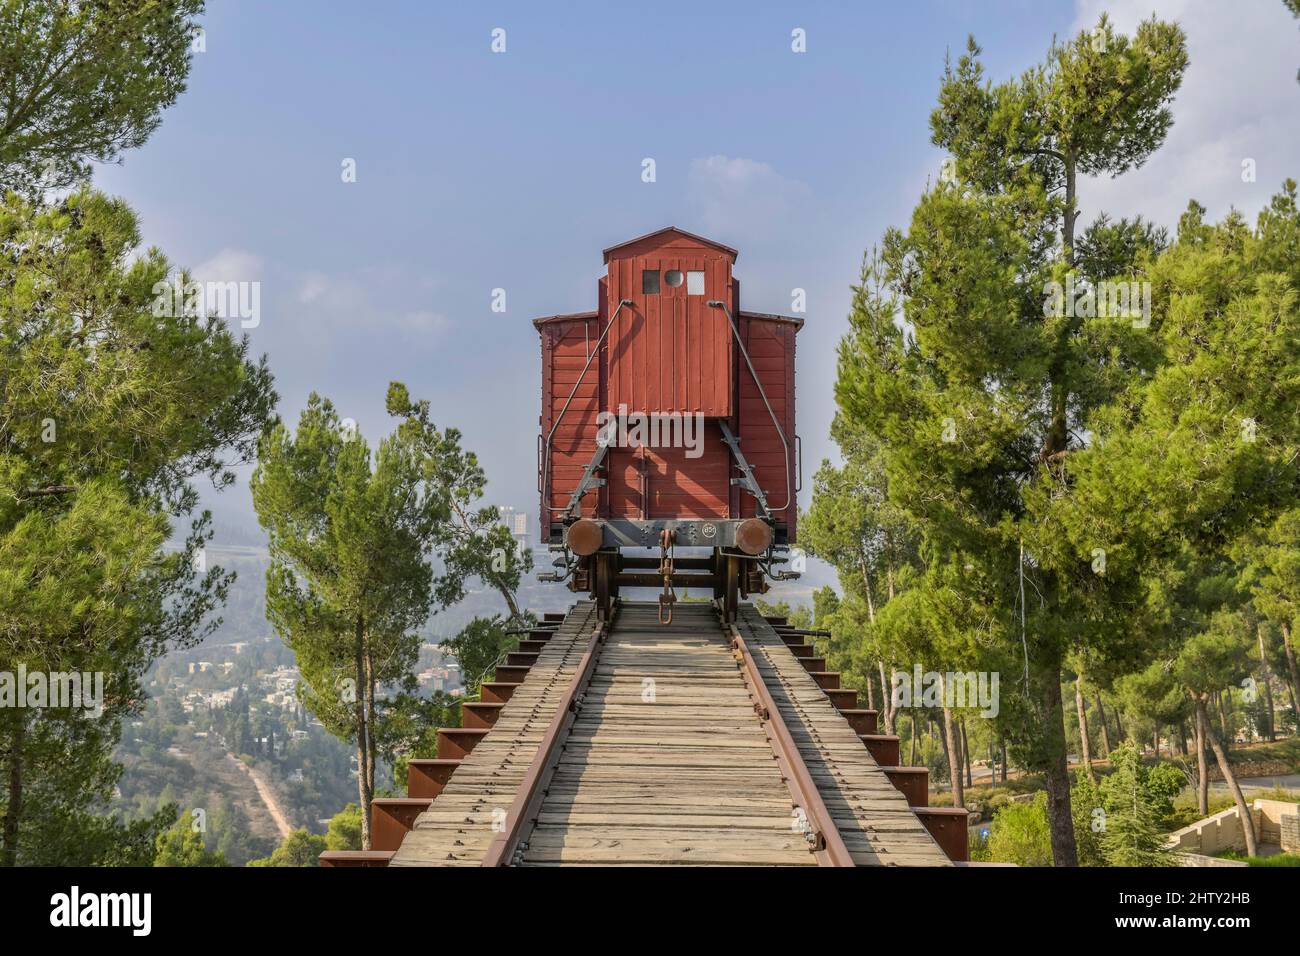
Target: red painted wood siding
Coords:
[(565, 347), (668, 351), (664, 356), (771, 345), (676, 486)]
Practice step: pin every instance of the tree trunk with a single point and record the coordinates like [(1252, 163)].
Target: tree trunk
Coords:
[(965, 752), (1057, 772), (943, 741), (1221, 757), (871, 692), (911, 761), (1105, 729), (516, 615), (371, 747), (1071, 213), (890, 708), (1268, 690), (1181, 739), (952, 746), (1004, 761), (1085, 745), (364, 794), (1289, 650), (1202, 768), (1229, 731), (14, 810)]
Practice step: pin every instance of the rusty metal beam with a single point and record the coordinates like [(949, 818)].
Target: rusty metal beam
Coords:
[(505, 846), (828, 845)]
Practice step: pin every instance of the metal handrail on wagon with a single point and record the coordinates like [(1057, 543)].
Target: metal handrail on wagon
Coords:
[(545, 476), (785, 444)]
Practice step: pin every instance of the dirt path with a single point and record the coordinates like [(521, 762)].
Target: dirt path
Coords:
[(267, 795)]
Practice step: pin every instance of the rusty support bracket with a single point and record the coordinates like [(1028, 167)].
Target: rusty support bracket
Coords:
[(508, 845), (828, 845)]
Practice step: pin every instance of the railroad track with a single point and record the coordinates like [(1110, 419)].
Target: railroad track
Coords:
[(634, 743)]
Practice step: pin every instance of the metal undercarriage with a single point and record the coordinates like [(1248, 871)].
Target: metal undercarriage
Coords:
[(727, 572)]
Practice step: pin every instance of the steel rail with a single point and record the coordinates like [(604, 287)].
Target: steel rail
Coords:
[(511, 842), (828, 844)]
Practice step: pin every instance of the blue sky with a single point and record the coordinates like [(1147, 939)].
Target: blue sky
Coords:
[(479, 170)]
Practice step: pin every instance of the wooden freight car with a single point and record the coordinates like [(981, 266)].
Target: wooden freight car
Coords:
[(668, 421)]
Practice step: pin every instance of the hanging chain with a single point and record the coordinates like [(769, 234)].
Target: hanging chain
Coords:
[(668, 598)]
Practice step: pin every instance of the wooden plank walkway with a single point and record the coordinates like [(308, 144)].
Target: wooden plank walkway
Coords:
[(458, 826), (667, 762), (872, 816)]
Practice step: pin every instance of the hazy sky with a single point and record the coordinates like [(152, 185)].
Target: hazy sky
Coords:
[(479, 170)]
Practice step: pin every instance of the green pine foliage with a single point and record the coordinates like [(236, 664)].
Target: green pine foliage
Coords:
[(183, 845), (1134, 799), (85, 81), (108, 413), (351, 581)]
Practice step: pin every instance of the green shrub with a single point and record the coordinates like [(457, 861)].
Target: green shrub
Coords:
[(1019, 834)]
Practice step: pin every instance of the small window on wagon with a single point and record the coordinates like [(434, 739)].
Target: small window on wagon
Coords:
[(673, 278), (695, 283), (649, 281)]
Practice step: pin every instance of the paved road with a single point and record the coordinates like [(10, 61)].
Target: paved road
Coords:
[(1290, 781)]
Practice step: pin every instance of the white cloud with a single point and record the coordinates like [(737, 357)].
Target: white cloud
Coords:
[(229, 265), (425, 321), (373, 300), (1239, 100), (743, 196), (332, 292)]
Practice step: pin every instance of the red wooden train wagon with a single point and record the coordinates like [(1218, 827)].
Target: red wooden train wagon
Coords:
[(668, 421)]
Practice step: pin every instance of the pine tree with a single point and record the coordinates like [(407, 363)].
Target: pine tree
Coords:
[(108, 413), (85, 81), (1132, 835), (350, 582), (985, 393)]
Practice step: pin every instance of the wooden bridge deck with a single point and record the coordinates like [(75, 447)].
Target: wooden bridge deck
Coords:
[(667, 761)]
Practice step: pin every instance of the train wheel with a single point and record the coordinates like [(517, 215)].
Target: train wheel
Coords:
[(731, 581), (604, 589)]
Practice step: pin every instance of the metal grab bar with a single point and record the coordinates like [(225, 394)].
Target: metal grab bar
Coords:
[(785, 444), (546, 460)]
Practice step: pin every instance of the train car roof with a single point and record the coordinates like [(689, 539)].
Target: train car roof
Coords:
[(772, 317), (565, 317), (586, 316), (681, 232)]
